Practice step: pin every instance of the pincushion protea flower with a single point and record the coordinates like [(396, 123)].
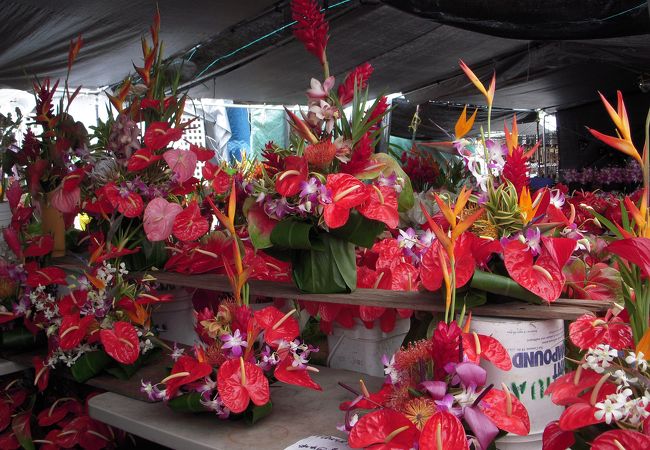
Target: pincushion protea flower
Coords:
[(321, 154)]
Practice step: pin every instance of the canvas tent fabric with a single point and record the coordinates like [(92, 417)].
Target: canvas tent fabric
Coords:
[(244, 50)]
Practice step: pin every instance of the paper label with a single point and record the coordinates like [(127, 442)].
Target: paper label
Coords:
[(320, 443)]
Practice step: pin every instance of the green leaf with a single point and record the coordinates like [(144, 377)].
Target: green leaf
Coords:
[(20, 425), (501, 285), (470, 299), (359, 230), (89, 365), (255, 413), (293, 234), (126, 371), (19, 338), (327, 271), (187, 403)]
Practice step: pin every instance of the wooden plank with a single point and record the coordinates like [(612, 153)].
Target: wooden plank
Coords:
[(297, 413), (565, 309)]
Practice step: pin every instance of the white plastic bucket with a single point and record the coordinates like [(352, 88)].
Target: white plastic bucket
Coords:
[(360, 349), (175, 319), (536, 348), (5, 215)]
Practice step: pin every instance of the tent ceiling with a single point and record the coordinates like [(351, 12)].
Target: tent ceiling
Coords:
[(411, 54)]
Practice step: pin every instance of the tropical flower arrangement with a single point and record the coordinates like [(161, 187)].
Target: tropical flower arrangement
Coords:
[(52, 420), (328, 191), (610, 177), (435, 396), (100, 321), (240, 352), (142, 192)]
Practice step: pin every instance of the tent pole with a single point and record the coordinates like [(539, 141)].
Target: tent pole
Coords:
[(544, 143), (384, 138)]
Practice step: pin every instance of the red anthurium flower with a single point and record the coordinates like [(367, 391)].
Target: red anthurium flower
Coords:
[(385, 429), (617, 439), (152, 297), (579, 415), (588, 331), (430, 268), (202, 154), (5, 415), (72, 330), (296, 170), (185, 188), (39, 246), (542, 276), (568, 388), (239, 382), (381, 205), (128, 203), (347, 192), (596, 282), (506, 412), (64, 200), (277, 325), (121, 343), (159, 216), (555, 438), (189, 224), (142, 159), (404, 277), (57, 411), (297, 376), (635, 250), (380, 397), (41, 373), (45, 276), (159, 135), (477, 346), (218, 177), (185, 370), (443, 430), (182, 163), (9, 441)]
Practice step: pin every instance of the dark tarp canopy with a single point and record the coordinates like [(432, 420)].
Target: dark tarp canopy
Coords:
[(244, 50)]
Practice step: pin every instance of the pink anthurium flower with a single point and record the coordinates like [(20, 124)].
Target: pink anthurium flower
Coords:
[(182, 163), (66, 201), (159, 216)]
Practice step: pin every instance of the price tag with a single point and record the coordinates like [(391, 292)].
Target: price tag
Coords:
[(320, 443)]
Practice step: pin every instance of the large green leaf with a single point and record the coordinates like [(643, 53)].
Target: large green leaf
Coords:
[(293, 234), (187, 403), (89, 365), (19, 338), (386, 166), (327, 271), (21, 426), (255, 413), (260, 225), (501, 285), (359, 230), (126, 371)]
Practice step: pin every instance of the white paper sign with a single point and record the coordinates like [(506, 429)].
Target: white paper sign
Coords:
[(320, 443)]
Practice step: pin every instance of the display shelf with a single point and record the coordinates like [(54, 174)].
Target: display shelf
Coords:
[(566, 309), (8, 367), (297, 413)]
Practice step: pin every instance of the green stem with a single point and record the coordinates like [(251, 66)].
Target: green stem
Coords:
[(452, 263)]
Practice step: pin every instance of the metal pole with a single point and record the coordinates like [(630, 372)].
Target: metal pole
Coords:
[(384, 138), (544, 143)]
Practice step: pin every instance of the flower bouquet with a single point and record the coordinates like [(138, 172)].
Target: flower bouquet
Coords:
[(101, 323), (240, 352), (327, 192), (52, 420), (49, 163), (435, 397), (142, 192)]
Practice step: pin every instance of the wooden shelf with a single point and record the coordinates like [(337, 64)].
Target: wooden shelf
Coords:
[(297, 413), (566, 309)]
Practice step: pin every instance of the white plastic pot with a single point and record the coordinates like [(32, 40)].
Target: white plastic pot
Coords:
[(536, 348), (175, 319), (5, 215), (360, 349)]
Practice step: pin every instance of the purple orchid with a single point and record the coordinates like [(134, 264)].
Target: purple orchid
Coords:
[(533, 239), (236, 342)]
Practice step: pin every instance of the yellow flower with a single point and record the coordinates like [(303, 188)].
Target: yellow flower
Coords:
[(419, 410)]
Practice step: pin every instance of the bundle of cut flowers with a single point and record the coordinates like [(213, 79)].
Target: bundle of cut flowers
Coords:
[(327, 191), (240, 353), (435, 397), (51, 420), (142, 190), (96, 320)]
